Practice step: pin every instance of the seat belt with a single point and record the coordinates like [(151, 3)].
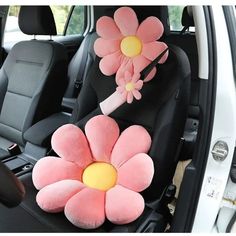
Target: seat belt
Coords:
[(184, 29), (144, 73), (79, 78)]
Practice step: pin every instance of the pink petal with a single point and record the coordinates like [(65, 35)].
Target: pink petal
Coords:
[(135, 139), (137, 173), (126, 65), (138, 85), (102, 132), (151, 29), (49, 170), (104, 47), (135, 77), (127, 79), (121, 82), (123, 205), (130, 97), (124, 95), (126, 20), (86, 209), (110, 63), (107, 29), (120, 89), (70, 143), (154, 49), (137, 94), (54, 197), (140, 63), (151, 75), (127, 76)]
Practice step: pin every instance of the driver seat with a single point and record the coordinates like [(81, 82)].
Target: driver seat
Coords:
[(28, 77)]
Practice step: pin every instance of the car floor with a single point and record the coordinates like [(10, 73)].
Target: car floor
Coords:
[(178, 177), (179, 173)]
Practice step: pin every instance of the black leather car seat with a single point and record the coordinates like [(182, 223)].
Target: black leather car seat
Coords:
[(162, 111), (32, 78)]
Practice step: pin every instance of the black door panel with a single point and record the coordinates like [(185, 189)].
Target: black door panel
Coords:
[(71, 42)]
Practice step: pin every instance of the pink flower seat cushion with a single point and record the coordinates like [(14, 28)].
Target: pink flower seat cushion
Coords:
[(125, 45), (99, 175)]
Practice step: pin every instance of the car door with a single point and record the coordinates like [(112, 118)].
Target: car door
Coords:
[(202, 192), (74, 28)]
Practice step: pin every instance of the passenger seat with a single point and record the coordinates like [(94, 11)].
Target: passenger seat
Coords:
[(32, 78)]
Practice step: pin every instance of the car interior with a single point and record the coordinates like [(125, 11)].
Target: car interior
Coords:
[(46, 83)]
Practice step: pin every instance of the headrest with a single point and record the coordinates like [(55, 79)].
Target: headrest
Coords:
[(187, 17), (142, 12), (37, 20)]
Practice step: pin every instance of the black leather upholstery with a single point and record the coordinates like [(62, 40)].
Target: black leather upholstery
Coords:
[(37, 20)]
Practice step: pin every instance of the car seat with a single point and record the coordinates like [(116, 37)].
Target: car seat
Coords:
[(32, 78), (162, 111)]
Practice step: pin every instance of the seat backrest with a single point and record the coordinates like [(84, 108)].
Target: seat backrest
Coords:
[(33, 76), (162, 111), (78, 69), (187, 41)]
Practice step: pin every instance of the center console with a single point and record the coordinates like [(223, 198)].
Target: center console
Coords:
[(37, 139), (24, 162)]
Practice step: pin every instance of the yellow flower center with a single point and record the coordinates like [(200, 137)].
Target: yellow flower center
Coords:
[(131, 46), (100, 175), (129, 86)]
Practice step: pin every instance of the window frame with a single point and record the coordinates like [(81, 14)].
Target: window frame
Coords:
[(176, 32), (69, 18)]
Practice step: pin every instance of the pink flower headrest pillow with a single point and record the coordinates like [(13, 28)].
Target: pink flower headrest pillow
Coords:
[(99, 175), (125, 45)]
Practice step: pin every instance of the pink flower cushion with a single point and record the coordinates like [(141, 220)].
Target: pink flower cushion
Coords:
[(98, 175), (124, 45), (129, 87)]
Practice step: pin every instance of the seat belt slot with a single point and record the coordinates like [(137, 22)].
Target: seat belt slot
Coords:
[(14, 149)]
